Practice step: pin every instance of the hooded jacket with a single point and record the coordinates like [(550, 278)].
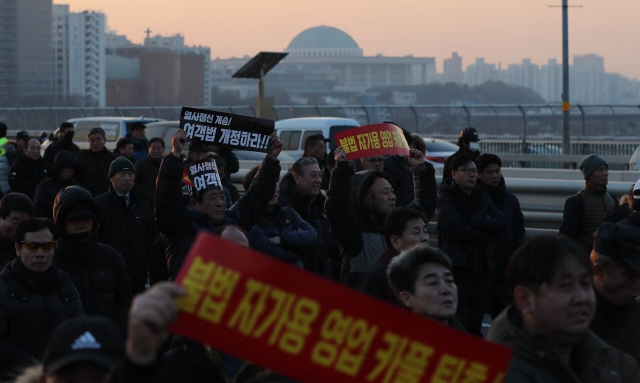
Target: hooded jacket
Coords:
[(58, 146), (26, 173), (534, 360), (356, 225), (97, 270), (180, 224), (31, 306), (48, 189), (468, 227)]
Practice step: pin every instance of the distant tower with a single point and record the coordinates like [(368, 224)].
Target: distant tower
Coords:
[(452, 69)]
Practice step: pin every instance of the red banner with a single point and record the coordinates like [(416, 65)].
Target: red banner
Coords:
[(372, 140), (314, 330)]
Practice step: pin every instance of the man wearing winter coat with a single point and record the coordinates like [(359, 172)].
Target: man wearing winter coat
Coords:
[(147, 170), (469, 225), (94, 163), (358, 204), (97, 270), (35, 296), (179, 224), (64, 173), (64, 143), (548, 325), (29, 170), (126, 222)]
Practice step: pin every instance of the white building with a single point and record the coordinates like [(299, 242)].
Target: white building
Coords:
[(79, 56), (588, 82), (480, 72), (525, 75), (551, 81)]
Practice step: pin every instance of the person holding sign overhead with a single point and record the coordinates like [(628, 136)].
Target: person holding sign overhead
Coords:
[(207, 211), (357, 205)]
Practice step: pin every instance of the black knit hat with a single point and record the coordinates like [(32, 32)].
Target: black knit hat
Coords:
[(121, 164)]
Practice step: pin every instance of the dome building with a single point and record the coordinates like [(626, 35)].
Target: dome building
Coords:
[(326, 61)]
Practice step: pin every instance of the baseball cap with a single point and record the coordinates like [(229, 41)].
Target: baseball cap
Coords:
[(621, 243), (636, 190), (85, 339), (469, 134)]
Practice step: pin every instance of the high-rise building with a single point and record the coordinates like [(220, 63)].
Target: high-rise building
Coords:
[(452, 69), (551, 81), (26, 76), (588, 83), (481, 72), (525, 75), (79, 45)]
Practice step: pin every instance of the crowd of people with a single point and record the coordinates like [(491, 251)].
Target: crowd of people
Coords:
[(91, 240)]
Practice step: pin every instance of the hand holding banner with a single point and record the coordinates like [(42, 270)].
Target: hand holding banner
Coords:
[(372, 140), (314, 330), (226, 129)]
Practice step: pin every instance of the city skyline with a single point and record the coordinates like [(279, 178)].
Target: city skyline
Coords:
[(531, 30)]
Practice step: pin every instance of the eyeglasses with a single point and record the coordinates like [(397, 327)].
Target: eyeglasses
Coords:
[(468, 171), (34, 246)]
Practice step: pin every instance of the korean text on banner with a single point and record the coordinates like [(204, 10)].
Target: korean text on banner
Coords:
[(313, 330), (226, 129), (372, 140)]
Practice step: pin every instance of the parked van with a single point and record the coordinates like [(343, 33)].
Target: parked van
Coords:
[(114, 128), (294, 131)]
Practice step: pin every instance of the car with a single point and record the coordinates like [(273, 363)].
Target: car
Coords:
[(294, 131), (438, 150)]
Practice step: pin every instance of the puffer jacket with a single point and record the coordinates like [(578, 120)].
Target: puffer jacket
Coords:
[(97, 270), (31, 306), (468, 227), (534, 361), (296, 235), (179, 224), (48, 189)]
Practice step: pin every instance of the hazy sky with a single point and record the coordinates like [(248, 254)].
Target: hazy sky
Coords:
[(501, 31)]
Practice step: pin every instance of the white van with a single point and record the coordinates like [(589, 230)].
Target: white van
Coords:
[(114, 128), (294, 131)]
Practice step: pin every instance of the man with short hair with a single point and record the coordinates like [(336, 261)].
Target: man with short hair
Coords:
[(35, 296), (63, 143), (468, 143), (315, 146), (97, 270), (616, 280), (94, 163), (28, 170), (124, 148), (300, 190), (548, 325), (147, 170), (404, 228), (491, 182), (372, 163), (140, 142), (14, 208), (585, 211), (126, 222), (422, 279)]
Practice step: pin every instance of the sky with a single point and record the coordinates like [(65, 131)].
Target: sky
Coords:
[(502, 31)]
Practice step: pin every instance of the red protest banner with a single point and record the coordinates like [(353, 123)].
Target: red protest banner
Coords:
[(314, 330), (372, 140)]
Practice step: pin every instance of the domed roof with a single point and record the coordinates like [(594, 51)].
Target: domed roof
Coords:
[(323, 37)]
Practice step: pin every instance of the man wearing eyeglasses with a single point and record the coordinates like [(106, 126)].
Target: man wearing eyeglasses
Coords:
[(372, 163), (468, 226), (491, 182), (35, 296)]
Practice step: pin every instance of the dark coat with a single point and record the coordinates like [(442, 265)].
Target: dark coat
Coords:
[(514, 233), (534, 360), (374, 282), (468, 227), (26, 173), (130, 231), (140, 148), (94, 174), (574, 224), (618, 325), (311, 210), (59, 146), (48, 189), (356, 226), (31, 306), (398, 168), (179, 224), (147, 170), (296, 235)]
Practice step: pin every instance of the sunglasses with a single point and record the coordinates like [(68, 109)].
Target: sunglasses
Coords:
[(34, 246)]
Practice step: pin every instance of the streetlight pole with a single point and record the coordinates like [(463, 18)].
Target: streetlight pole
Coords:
[(566, 106)]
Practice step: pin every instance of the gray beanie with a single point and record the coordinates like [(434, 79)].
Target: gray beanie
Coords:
[(591, 163)]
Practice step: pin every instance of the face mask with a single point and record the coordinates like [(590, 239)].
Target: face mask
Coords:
[(69, 136), (474, 146)]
